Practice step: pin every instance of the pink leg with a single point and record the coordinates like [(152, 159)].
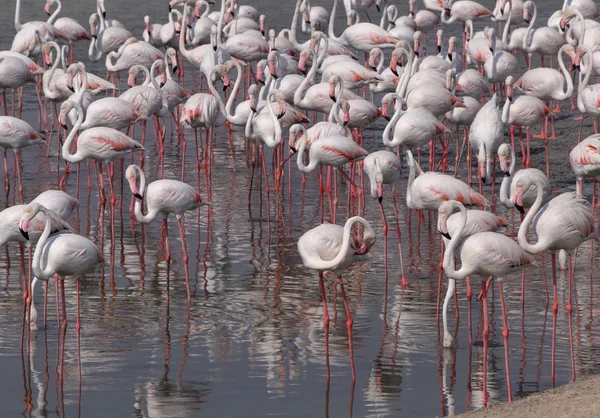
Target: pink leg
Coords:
[(325, 321), (505, 336), (185, 259), (349, 323)]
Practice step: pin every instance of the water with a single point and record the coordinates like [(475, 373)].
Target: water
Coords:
[(252, 341)]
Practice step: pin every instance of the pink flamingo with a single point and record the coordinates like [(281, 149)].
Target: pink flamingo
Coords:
[(14, 74), (585, 160), (16, 134), (524, 111), (68, 26), (132, 52), (564, 223), (485, 136), (384, 167), (62, 255), (544, 40), (486, 254), (330, 247), (100, 144), (165, 197)]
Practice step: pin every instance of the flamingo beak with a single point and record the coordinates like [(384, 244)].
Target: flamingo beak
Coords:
[(380, 192), (446, 235), (25, 234), (518, 201), (346, 118), (23, 226), (226, 82), (385, 112), (482, 173), (282, 110), (520, 209), (47, 9)]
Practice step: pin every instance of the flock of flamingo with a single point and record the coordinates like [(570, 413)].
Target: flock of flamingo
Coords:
[(469, 81)]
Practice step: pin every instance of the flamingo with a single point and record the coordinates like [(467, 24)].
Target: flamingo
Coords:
[(587, 95), (330, 247), (16, 134), (525, 111), (14, 74), (362, 36), (585, 160), (511, 179), (105, 39), (152, 32), (485, 136), (544, 40), (463, 116), (100, 144), (31, 35), (164, 196), (564, 223), (132, 52), (486, 254), (62, 255), (470, 83), (317, 15), (384, 167), (500, 64), (108, 23), (202, 26), (66, 25), (429, 190)]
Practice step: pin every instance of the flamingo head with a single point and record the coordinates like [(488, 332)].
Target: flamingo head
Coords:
[(131, 82), (197, 8), (65, 108), (446, 209), (451, 45), (416, 42), (509, 88), (47, 7), (305, 10), (345, 106), (262, 24), (504, 156), (147, 23), (527, 13), (481, 157), (334, 80), (102, 8), (373, 55), (363, 246), (132, 175), (439, 36), (171, 55), (394, 62), (575, 55), (295, 137), (303, 59), (517, 198), (385, 105), (253, 94), (411, 7), (279, 98), (271, 60), (94, 25), (29, 213), (47, 53), (378, 177), (260, 71)]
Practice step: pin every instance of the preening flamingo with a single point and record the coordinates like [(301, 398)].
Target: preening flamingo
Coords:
[(165, 197), (384, 167), (585, 160), (63, 255), (485, 254), (330, 247), (564, 223)]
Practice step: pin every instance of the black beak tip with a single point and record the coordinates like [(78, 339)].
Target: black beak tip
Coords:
[(417, 54), (174, 70), (25, 234), (95, 36), (520, 208), (378, 8), (280, 115), (373, 68), (253, 109), (450, 57), (294, 150), (139, 196), (48, 13), (71, 88), (483, 180), (380, 199), (446, 235), (439, 49), (395, 73), (345, 123), (64, 126), (104, 13), (386, 118), (506, 173), (333, 98)]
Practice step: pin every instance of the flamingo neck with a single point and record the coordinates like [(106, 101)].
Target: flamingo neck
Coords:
[(569, 92), (149, 217), (294, 26), (411, 177), (331, 31), (234, 93), (66, 148), (299, 95), (219, 24), (277, 134), (300, 159), (54, 16), (387, 141), (18, 16), (54, 65), (522, 236), (507, 25), (36, 264), (449, 263), (527, 41), (214, 92)]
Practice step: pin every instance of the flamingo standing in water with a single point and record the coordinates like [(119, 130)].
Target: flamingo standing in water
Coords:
[(68, 26), (100, 144), (585, 160), (485, 254), (164, 196), (63, 255), (16, 134), (384, 167), (330, 247), (564, 223)]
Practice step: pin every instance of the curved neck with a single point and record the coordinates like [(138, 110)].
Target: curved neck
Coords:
[(392, 125), (300, 159), (569, 92), (220, 23), (449, 263), (406, 74), (54, 16), (234, 93), (152, 78), (183, 34), (300, 93), (322, 53), (94, 52), (504, 190), (54, 65), (213, 90), (331, 31), (334, 114), (539, 246), (506, 112), (67, 145), (116, 55), (381, 61), (103, 23), (412, 164), (149, 217), (507, 25), (527, 41), (81, 89), (277, 134), (18, 16), (36, 264)]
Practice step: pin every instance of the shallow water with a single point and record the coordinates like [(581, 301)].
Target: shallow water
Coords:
[(252, 341)]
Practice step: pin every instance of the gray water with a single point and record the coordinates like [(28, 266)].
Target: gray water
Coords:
[(252, 341)]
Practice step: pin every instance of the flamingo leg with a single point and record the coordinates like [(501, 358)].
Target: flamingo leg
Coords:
[(571, 271), (349, 322), (505, 332), (325, 322), (404, 282), (554, 312), (78, 321), (449, 292), (486, 333), (185, 258)]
